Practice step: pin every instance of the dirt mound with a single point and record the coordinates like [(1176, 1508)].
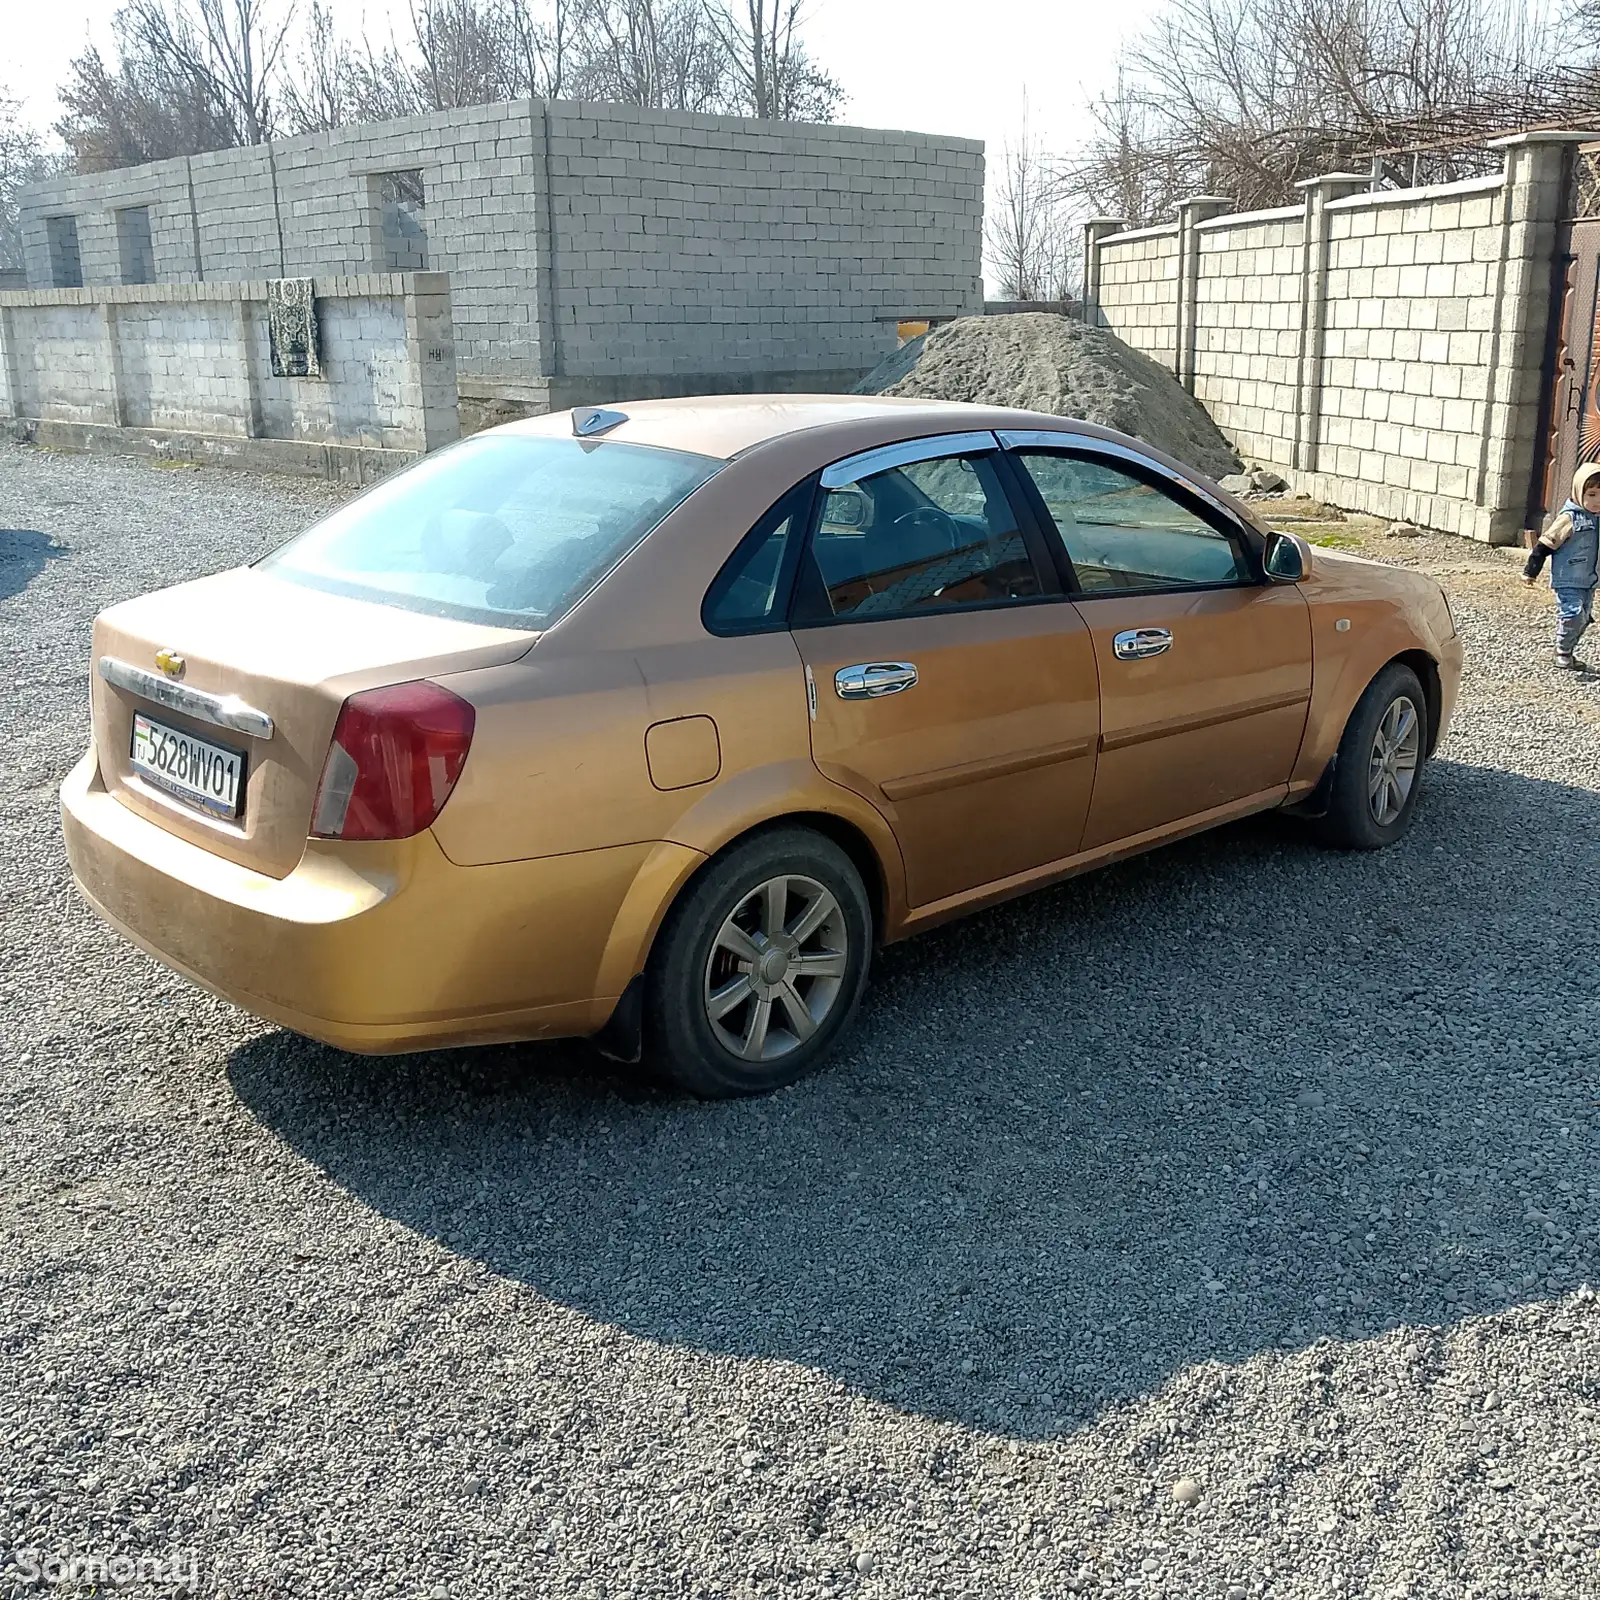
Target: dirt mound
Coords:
[(1055, 364)]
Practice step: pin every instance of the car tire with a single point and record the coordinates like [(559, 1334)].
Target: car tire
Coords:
[(759, 967), (1378, 774)]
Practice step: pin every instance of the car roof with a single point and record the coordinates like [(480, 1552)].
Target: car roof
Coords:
[(724, 426)]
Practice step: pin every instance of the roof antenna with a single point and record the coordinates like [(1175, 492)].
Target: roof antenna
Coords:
[(589, 421)]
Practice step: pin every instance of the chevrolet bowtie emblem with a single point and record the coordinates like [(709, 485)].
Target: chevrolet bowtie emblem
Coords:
[(170, 663)]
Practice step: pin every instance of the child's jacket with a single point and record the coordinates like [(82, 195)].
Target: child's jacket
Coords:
[(1574, 536)]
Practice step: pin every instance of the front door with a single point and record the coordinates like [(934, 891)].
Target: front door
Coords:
[(954, 686), (1205, 671)]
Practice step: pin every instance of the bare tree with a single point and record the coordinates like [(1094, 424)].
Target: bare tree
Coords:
[(772, 74), (1030, 235), (24, 158), (234, 47), (140, 107), (467, 50), (543, 46), (192, 75), (319, 93), (659, 53), (1246, 97)]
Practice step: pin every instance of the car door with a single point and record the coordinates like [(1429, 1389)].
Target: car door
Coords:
[(951, 681), (1204, 665)]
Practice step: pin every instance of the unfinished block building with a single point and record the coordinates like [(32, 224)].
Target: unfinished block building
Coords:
[(593, 252)]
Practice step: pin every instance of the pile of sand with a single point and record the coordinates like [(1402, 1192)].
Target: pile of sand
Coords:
[(1065, 367)]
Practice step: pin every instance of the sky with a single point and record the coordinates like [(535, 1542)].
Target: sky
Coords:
[(963, 67)]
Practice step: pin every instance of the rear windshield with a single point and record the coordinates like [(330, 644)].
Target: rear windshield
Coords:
[(497, 529)]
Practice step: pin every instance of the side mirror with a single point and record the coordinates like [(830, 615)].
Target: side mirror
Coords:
[(847, 509), (1285, 561)]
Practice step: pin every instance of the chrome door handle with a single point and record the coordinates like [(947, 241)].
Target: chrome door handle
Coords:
[(1134, 644), (873, 679)]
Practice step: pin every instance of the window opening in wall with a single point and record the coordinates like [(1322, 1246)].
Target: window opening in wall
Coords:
[(135, 254), (66, 262), (402, 223)]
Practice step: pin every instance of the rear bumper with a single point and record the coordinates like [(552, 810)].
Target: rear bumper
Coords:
[(377, 948)]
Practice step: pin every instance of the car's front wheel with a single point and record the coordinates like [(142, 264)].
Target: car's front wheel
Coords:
[(1379, 769), (759, 967)]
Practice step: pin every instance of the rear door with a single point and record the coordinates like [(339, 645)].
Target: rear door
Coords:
[(952, 682), (1204, 667)]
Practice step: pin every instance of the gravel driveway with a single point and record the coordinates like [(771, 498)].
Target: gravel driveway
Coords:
[(1244, 1164)]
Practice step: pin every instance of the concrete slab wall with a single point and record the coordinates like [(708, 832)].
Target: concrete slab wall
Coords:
[(1247, 329), (1383, 349), (1138, 290), (142, 367)]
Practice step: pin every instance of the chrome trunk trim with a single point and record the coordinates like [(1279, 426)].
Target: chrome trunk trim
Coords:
[(222, 711)]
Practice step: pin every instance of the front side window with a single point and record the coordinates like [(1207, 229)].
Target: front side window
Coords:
[(1125, 534), (499, 529), (927, 536)]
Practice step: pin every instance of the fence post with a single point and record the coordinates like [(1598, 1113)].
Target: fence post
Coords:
[(1094, 230), (1314, 307), (1191, 213), (431, 357), (1532, 204), (10, 383)]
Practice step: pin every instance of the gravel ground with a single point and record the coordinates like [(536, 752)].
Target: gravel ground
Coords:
[(1243, 1164)]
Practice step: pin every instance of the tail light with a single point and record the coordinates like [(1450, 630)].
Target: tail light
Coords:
[(395, 757)]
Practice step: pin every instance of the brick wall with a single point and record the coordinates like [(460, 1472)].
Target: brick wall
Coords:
[(1384, 350), (593, 251), (175, 368)]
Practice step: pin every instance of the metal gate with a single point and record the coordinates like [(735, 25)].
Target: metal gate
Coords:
[(1571, 434)]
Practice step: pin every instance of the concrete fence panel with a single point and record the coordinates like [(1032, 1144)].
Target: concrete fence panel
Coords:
[(1384, 349), (185, 371)]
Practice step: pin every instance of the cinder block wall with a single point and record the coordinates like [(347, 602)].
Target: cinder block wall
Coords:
[(1382, 349), (1247, 329), (701, 249), (1139, 290), (185, 370), (1411, 317), (593, 251)]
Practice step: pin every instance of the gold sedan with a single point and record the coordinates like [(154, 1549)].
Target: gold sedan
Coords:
[(651, 724)]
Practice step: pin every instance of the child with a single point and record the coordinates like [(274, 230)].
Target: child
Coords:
[(1571, 544)]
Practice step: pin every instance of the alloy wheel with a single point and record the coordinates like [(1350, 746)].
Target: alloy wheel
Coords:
[(1392, 769), (776, 968)]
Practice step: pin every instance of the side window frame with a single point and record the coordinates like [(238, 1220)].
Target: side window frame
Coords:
[(801, 503), (1143, 470), (910, 452)]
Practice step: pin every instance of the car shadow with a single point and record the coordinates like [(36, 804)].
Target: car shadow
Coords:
[(24, 554), (1226, 1098)]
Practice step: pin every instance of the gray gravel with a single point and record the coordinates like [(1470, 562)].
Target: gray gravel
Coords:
[(1262, 1173), (1061, 366)]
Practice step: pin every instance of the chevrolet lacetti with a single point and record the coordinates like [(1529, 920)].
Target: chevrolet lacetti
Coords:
[(650, 724)]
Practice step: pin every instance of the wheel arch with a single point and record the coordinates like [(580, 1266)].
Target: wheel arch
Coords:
[(673, 871), (1427, 671)]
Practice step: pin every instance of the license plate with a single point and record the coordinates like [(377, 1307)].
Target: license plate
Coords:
[(195, 770)]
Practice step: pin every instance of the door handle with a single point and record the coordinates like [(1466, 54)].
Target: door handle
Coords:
[(873, 679), (1134, 644)]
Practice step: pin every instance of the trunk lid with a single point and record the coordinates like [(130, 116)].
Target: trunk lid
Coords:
[(282, 648)]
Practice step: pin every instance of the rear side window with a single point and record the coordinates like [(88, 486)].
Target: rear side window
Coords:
[(749, 595), (1125, 534), (930, 535), (498, 529)]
